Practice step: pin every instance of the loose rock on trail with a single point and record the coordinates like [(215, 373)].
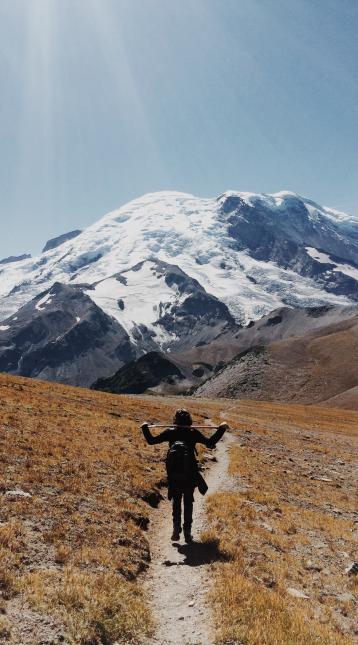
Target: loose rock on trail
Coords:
[(178, 578)]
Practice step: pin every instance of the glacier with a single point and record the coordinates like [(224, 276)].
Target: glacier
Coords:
[(196, 234)]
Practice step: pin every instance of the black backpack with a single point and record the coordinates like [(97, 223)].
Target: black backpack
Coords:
[(180, 463)]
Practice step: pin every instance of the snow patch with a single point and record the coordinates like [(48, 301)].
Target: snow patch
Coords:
[(323, 258), (347, 269), (46, 300), (140, 298), (352, 272), (313, 212), (4, 327)]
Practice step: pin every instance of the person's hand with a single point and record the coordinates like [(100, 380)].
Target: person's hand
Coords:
[(223, 426), (145, 426)]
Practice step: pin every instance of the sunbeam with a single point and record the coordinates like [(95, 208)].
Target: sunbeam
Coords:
[(108, 31), (35, 141)]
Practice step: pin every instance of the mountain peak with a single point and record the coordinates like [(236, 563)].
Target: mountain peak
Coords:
[(248, 250)]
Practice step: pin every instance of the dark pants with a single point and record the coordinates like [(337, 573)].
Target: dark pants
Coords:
[(188, 495)]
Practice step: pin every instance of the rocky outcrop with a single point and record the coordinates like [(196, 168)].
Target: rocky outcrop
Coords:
[(199, 317), (67, 335), (57, 241), (283, 235), (15, 258), (136, 377), (62, 335)]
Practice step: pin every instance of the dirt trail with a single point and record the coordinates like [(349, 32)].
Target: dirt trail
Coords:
[(177, 580)]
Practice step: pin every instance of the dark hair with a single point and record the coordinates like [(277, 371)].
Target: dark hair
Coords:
[(182, 418)]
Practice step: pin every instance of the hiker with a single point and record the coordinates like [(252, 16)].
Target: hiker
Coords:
[(182, 466)]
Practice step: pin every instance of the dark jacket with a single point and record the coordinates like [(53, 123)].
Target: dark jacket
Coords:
[(191, 437)]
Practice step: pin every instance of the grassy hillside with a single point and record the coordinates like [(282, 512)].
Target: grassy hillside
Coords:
[(288, 525), (76, 487)]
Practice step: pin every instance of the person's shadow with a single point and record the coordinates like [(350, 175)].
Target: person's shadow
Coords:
[(199, 553)]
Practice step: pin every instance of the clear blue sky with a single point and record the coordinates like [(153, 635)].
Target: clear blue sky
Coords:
[(104, 100)]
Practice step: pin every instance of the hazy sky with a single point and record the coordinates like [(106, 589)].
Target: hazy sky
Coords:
[(104, 100)]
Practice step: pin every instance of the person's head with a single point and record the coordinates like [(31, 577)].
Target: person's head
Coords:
[(182, 418)]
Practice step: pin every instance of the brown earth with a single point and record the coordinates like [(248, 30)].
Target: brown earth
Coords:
[(280, 324), (319, 367)]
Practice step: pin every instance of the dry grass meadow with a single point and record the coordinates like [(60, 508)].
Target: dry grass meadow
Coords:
[(289, 527), (77, 483), (77, 486)]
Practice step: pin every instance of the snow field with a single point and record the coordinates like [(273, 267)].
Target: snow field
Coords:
[(323, 258), (179, 229), (144, 299)]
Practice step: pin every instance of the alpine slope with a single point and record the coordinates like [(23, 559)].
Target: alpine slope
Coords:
[(169, 271)]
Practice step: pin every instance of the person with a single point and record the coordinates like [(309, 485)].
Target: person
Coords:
[(183, 437)]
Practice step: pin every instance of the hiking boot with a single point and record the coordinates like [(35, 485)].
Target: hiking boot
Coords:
[(176, 533), (188, 537)]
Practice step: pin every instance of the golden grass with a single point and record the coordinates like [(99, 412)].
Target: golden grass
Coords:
[(284, 527), (72, 552), (96, 608), (263, 617), (5, 628), (81, 536)]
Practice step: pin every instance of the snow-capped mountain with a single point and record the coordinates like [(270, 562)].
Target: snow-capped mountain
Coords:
[(171, 269), (65, 333)]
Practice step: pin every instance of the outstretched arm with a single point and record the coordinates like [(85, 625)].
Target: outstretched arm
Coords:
[(212, 441), (149, 437)]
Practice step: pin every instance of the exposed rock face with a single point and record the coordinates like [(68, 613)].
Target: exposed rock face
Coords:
[(15, 258), (162, 307), (286, 234), (244, 376), (63, 336), (138, 376), (197, 317), (70, 335), (57, 241), (244, 364)]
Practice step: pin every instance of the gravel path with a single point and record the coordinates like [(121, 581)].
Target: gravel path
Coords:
[(177, 580)]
